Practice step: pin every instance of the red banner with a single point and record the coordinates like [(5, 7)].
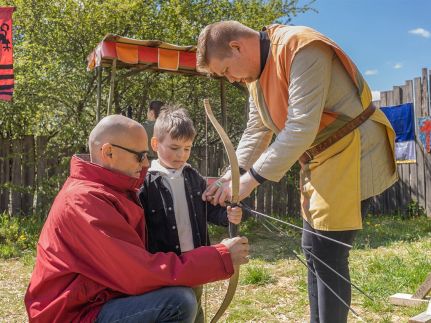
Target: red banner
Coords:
[(6, 54)]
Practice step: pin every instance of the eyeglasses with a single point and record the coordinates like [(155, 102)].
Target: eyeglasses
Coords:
[(140, 155)]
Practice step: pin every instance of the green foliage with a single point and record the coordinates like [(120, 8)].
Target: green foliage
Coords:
[(414, 210), (55, 95), (18, 235), (256, 274)]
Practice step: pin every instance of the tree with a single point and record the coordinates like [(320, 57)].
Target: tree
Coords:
[(55, 95)]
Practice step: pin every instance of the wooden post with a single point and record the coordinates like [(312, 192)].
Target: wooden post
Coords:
[(223, 103), (111, 90), (99, 91), (223, 114)]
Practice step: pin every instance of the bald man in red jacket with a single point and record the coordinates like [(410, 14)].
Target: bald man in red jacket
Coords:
[(92, 264)]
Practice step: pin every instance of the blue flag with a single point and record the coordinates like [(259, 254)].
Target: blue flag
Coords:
[(401, 118)]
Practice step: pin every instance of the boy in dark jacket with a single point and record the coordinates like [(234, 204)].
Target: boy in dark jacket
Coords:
[(175, 214)]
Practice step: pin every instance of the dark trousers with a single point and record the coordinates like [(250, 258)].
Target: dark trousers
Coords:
[(325, 307)]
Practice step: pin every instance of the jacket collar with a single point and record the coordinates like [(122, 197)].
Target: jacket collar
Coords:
[(156, 170), (82, 168)]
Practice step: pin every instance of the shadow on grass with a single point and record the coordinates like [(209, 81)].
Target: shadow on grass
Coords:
[(280, 243)]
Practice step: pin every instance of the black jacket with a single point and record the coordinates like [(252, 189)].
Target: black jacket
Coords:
[(157, 202)]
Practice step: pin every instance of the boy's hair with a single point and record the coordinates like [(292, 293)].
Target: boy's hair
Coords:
[(156, 106), (175, 122)]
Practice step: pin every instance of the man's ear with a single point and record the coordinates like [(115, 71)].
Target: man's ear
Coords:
[(235, 45), (106, 153), (154, 143)]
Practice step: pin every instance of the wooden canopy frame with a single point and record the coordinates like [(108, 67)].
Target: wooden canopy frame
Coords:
[(117, 52)]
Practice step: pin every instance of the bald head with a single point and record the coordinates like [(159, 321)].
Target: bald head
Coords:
[(115, 129)]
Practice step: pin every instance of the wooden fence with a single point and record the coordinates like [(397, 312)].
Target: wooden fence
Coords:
[(29, 178), (414, 187)]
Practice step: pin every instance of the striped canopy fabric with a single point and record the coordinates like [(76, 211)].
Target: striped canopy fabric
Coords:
[(143, 54)]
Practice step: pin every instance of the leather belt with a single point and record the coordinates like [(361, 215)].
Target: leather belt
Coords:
[(340, 133)]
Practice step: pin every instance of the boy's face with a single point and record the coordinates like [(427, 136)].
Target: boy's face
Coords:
[(172, 153)]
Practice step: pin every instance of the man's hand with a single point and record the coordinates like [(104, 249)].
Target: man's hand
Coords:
[(220, 191), (234, 214), (214, 188), (238, 248)]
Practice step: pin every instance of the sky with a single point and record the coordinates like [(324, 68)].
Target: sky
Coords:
[(389, 40)]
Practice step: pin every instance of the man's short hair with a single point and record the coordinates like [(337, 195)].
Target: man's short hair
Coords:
[(176, 122), (214, 39), (156, 106)]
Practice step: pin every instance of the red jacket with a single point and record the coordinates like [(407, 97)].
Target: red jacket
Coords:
[(92, 249)]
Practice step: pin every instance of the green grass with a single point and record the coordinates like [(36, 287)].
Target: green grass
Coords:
[(390, 255), (257, 274)]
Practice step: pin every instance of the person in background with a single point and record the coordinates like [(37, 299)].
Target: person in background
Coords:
[(92, 263), (176, 216), (305, 90), (152, 114)]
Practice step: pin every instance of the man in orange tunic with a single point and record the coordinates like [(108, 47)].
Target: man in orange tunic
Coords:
[(304, 89)]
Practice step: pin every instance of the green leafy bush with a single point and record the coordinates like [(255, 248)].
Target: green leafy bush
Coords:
[(18, 234)]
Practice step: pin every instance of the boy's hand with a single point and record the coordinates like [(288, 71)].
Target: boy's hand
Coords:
[(234, 214)]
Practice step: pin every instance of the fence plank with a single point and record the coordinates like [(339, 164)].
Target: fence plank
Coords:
[(41, 176), (260, 198), (406, 97), (396, 95), (268, 197), (419, 151), (394, 191), (425, 95), (4, 174), (413, 168), (400, 96), (427, 156), (385, 197), (28, 174), (16, 177)]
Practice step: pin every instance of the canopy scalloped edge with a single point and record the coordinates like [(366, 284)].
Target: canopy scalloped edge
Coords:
[(144, 54)]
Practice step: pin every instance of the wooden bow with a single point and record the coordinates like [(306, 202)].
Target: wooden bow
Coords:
[(233, 228)]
